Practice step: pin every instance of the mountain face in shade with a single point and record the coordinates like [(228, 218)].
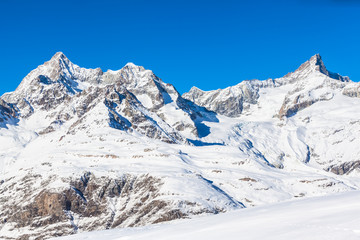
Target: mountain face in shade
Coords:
[(82, 149)]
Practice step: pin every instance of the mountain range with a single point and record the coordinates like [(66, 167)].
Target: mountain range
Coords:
[(82, 149)]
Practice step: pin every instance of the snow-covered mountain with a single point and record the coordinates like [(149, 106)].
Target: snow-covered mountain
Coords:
[(82, 149), (232, 101)]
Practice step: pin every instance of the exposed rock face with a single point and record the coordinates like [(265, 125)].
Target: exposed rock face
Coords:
[(135, 99), (320, 66), (7, 111), (229, 102), (314, 83), (50, 84), (82, 149), (309, 77), (88, 203), (352, 90), (345, 168), (294, 103)]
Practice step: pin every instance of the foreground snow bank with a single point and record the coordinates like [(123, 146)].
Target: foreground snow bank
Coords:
[(329, 217)]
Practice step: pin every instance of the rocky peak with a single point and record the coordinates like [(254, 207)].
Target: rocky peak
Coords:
[(315, 65), (58, 65), (144, 84), (131, 66), (58, 84), (193, 94), (230, 101), (131, 76), (59, 56), (49, 85), (56, 69), (233, 100), (138, 73), (195, 90), (313, 84)]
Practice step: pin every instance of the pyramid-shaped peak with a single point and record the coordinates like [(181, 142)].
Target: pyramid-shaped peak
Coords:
[(319, 66), (316, 65), (59, 55), (316, 57), (59, 59)]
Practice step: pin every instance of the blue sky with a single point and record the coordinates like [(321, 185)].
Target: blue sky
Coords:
[(209, 44)]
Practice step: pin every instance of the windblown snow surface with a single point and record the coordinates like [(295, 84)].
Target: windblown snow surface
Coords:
[(331, 217)]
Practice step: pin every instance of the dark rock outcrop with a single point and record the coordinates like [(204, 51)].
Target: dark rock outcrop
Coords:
[(89, 203), (345, 168)]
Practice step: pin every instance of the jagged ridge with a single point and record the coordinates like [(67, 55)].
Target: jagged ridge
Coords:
[(84, 149), (232, 101)]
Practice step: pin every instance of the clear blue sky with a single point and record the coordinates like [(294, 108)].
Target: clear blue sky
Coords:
[(209, 44)]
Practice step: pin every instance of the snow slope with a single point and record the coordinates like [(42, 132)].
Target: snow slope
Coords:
[(331, 217)]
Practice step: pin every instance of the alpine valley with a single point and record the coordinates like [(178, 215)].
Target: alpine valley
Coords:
[(83, 150)]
